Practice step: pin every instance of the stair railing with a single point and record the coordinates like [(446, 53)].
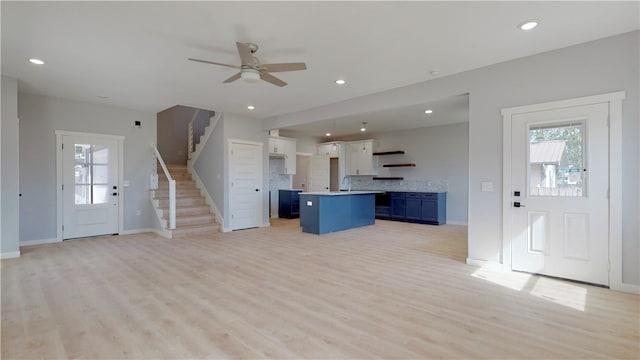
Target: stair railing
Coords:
[(172, 189), (190, 129)]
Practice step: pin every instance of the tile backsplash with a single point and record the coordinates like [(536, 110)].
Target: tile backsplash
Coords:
[(367, 183)]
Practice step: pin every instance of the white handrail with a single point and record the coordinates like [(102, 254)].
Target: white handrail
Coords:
[(172, 189)]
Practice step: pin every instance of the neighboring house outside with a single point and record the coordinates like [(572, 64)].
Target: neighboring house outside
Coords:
[(545, 159)]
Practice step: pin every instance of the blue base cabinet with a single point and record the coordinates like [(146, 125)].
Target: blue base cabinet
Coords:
[(288, 204), (424, 208), (321, 214)]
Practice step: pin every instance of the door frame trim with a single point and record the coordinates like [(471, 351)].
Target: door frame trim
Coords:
[(614, 100), (59, 216)]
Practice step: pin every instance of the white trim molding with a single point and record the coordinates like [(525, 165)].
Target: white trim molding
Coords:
[(10, 255), (136, 231), (615, 178), (39, 242), (485, 264)]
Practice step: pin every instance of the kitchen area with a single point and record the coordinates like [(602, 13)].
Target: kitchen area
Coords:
[(415, 169)]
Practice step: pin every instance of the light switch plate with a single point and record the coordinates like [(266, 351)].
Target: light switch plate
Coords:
[(309, 203), (487, 186)]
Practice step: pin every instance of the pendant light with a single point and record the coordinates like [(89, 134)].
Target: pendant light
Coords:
[(334, 146)]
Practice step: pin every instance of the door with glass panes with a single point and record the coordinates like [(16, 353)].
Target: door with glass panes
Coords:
[(560, 208), (90, 192)]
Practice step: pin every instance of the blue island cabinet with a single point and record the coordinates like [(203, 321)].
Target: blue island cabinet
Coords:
[(330, 212)]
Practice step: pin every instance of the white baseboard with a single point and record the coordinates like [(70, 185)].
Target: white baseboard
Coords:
[(628, 288), (163, 233), (457, 223), (39, 242), (10, 255), (136, 231), (485, 264), (265, 225)]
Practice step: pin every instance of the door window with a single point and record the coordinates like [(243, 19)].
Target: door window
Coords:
[(556, 160), (91, 174)]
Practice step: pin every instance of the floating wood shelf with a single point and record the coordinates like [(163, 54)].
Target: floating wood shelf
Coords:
[(399, 165), (388, 178), (398, 152)]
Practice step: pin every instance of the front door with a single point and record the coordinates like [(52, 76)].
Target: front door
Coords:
[(559, 193), (245, 199), (90, 193)]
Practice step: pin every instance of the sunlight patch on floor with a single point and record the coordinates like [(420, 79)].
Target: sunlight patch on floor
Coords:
[(558, 291), (510, 280)]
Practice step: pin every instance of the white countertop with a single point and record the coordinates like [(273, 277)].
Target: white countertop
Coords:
[(336, 193)]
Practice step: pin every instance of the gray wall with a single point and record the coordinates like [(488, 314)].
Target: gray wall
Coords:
[(596, 67), (9, 188), (173, 129), (40, 116)]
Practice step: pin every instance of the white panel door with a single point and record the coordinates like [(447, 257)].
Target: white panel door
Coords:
[(320, 173), (245, 198), (90, 194), (559, 193)]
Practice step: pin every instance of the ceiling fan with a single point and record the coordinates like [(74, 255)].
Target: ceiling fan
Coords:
[(252, 70)]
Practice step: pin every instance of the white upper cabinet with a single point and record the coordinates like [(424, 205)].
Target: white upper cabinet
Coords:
[(360, 158), (330, 149), (287, 148)]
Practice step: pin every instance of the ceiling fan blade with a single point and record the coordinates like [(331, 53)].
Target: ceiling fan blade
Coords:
[(233, 78), (284, 67), (245, 53), (272, 79), (214, 63)]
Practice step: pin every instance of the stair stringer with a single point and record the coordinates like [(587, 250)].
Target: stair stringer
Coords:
[(163, 223), (194, 174)]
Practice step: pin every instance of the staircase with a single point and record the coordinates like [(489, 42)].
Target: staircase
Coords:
[(193, 215)]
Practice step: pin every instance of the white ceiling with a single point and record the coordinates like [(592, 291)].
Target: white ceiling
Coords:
[(135, 52), (445, 111)]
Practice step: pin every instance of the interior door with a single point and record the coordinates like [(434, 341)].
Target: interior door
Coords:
[(90, 192), (320, 173), (559, 193), (245, 198)]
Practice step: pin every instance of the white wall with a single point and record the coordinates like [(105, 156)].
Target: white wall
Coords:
[(9, 188), (596, 67), (40, 116)]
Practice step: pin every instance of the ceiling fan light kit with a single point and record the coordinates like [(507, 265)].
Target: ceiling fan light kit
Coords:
[(251, 70), (250, 75)]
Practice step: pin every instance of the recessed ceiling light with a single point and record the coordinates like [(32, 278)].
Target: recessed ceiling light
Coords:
[(435, 72), (340, 82), (251, 107), (428, 111), (529, 24), (36, 61), (327, 134), (103, 97)]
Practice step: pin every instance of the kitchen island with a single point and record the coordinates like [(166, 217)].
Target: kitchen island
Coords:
[(325, 212)]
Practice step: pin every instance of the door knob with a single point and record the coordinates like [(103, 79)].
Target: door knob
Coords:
[(257, 189), (517, 204)]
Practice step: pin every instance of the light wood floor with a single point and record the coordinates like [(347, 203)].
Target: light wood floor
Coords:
[(391, 290)]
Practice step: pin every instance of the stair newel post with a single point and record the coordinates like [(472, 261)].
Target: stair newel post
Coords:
[(172, 204)]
